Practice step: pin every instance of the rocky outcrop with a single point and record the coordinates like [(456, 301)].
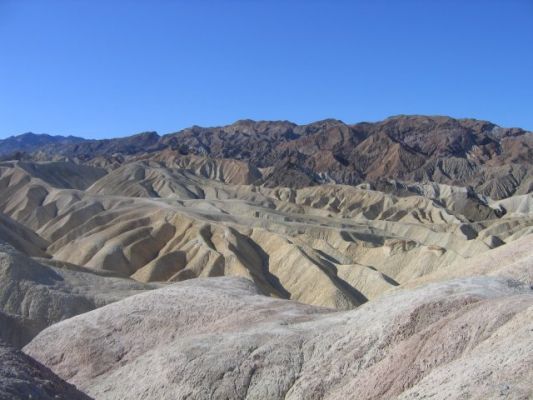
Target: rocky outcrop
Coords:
[(22, 378)]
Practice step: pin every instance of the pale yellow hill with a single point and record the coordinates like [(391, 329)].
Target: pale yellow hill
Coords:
[(329, 245)]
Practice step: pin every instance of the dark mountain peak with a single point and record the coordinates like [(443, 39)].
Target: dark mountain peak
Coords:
[(33, 135), (148, 135), (431, 122), (29, 142), (419, 121), (326, 123), (251, 122), (29, 135), (250, 127), (244, 122), (259, 125)]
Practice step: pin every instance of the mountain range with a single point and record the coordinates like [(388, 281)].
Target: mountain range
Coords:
[(495, 161)]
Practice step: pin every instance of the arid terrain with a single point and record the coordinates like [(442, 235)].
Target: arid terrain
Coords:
[(269, 260)]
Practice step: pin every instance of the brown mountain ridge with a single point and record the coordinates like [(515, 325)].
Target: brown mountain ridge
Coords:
[(496, 161)]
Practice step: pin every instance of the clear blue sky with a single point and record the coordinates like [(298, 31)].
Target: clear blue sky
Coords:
[(116, 67)]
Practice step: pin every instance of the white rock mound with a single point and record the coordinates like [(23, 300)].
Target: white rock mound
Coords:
[(218, 338)]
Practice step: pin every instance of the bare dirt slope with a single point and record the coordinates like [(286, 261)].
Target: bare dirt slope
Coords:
[(220, 338)]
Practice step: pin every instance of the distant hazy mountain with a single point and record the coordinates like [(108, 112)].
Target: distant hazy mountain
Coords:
[(30, 142)]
